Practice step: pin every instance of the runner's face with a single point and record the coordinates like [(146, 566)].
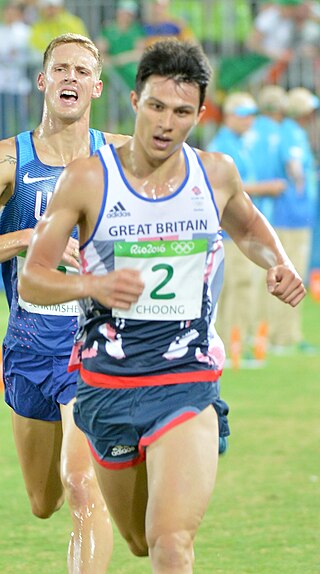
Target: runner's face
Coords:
[(70, 81), (166, 112)]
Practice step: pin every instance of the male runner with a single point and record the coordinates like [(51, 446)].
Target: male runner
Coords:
[(147, 394), (53, 453)]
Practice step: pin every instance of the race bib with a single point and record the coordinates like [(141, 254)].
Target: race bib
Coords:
[(69, 309), (173, 273)]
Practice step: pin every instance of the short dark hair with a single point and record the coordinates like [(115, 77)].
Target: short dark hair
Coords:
[(181, 61)]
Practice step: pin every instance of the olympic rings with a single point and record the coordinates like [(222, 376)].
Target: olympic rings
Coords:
[(183, 247)]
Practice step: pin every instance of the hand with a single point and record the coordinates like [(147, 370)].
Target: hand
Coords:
[(285, 283), (117, 289), (277, 186), (71, 254)]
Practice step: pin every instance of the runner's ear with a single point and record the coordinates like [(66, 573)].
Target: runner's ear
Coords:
[(41, 82), (97, 90)]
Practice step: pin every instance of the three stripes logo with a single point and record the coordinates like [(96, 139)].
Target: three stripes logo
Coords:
[(118, 210)]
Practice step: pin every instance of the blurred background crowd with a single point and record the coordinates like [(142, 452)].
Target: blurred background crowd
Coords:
[(262, 109)]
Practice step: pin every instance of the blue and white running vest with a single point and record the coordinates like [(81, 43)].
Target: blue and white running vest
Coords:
[(168, 336), (37, 329)]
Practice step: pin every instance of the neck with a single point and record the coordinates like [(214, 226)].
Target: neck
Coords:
[(152, 178), (63, 142)]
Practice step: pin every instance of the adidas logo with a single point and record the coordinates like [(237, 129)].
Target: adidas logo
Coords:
[(120, 449), (118, 210)]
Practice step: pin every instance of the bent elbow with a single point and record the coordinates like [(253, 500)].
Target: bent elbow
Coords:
[(25, 290)]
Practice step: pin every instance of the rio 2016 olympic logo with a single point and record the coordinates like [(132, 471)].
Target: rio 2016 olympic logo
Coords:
[(183, 247)]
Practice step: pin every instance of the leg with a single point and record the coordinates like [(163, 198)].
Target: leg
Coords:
[(92, 539), (125, 492), (38, 446), (180, 483)]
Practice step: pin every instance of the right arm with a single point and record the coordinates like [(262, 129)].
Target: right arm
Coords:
[(14, 242), (72, 203)]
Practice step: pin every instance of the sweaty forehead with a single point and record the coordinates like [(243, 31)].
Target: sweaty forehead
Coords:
[(72, 54), (164, 89)]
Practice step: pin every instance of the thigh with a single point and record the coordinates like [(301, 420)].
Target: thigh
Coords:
[(75, 452), (38, 445), (125, 492), (181, 469)]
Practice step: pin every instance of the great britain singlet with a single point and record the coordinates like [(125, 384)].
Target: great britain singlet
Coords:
[(168, 336), (37, 329)]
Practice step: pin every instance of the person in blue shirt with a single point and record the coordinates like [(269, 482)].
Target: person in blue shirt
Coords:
[(263, 142), (294, 212), (235, 310)]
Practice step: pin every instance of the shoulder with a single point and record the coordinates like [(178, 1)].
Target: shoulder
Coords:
[(220, 167), (216, 162), (79, 184), (8, 161), (81, 171), (116, 139), (8, 146)]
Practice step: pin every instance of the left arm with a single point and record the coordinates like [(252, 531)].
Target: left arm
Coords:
[(251, 231)]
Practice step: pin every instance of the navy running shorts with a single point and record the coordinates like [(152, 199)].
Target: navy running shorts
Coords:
[(121, 423), (35, 386)]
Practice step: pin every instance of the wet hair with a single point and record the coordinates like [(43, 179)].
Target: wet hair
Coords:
[(73, 39), (184, 62)]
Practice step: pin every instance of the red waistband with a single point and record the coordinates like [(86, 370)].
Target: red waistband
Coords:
[(116, 382)]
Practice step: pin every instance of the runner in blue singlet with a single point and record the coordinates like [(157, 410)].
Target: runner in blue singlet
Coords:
[(53, 454)]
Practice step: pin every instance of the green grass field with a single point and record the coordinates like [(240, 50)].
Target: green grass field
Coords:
[(264, 516)]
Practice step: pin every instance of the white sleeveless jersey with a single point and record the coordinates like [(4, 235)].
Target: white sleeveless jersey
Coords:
[(168, 336)]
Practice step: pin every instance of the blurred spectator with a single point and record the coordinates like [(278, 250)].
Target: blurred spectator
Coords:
[(310, 33), (158, 22), (53, 21), (30, 10), (263, 142), (121, 43), (294, 213), (14, 82), (277, 29), (235, 310)]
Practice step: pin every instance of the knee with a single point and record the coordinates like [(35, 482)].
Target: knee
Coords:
[(81, 489), (173, 549), (138, 547), (42, 508)]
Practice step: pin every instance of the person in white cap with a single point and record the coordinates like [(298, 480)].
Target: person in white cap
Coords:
[(264, 145), (294, 213), (235, 304)]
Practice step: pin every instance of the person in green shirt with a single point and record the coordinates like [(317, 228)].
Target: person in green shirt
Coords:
[(122, 41)]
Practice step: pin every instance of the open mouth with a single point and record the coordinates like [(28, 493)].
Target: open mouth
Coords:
[(69, 95), (161, 141)]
